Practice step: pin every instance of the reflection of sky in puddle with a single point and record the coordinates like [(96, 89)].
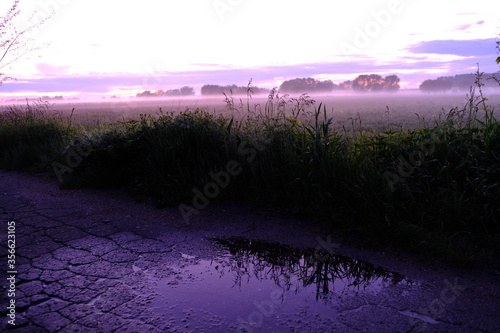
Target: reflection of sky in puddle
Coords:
[(256, 284)]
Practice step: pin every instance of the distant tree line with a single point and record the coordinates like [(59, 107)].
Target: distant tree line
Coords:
[(461, 82), (215, 89), (184, 91), (54, 98), (364, 82), (38, 99), (306, 85)]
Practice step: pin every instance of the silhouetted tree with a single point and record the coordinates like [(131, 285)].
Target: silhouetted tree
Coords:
[(214, 89), (392, 83), (345, 85), (441, 84), (326, 86), (14, 44), (53, 98), (187, 91), (375, 82), (146, 93), (172, 93), (306, 85), (184, 91), (366, 82), (211, 89)]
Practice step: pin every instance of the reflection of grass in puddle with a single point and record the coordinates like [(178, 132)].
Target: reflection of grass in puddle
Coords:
[(290, 267), (282, 285)]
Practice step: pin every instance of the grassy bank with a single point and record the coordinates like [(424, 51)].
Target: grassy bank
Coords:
[(433, 190), (31, 137)]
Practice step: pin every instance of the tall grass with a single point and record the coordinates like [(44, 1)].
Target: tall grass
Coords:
[(444, 202), (31, 136)]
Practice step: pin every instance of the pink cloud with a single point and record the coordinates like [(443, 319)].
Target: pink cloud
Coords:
[(462, 27), (467, 26), (51, 69)]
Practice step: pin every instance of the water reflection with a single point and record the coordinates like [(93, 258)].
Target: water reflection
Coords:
[(295, 269)]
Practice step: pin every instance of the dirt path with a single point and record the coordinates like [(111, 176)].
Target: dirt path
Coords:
[(92, 261)]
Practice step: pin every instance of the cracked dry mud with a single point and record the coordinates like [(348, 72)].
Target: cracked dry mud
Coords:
[(92, 261)]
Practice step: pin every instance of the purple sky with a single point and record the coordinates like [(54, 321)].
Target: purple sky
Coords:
[(124, 47)]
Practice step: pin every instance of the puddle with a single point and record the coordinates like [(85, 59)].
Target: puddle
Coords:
[(256, 286)]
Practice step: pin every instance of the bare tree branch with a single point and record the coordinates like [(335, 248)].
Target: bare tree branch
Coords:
[(13, 42)]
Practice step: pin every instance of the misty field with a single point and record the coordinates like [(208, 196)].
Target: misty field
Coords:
[(365, 164), (375, 111)]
